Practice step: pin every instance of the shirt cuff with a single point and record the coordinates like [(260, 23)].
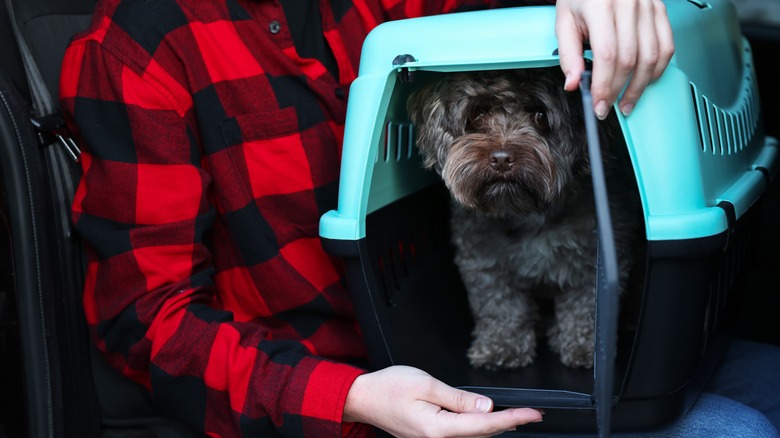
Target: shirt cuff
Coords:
[(326, 393)]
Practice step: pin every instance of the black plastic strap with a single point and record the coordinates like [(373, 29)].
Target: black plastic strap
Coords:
[(607, 274), (538, 398)]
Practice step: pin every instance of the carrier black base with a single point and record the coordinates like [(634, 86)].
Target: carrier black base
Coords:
[(674, 324)]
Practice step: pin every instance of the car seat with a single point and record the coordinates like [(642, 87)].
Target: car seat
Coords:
[(48, 360)]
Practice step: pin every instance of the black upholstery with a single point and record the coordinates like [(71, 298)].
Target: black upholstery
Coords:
[(10, 62), (68, 390), (45, 32)]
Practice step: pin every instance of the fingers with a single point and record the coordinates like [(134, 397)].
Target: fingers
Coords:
[(457, 400), (631, 42), (653, 54), (570, 53), (451, 424), (607, 71), (663, 30), (468, 414)]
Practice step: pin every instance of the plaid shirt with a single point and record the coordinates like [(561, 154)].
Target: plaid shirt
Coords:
[(211, 149)]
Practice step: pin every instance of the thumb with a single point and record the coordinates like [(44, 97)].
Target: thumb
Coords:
[(460, 401)]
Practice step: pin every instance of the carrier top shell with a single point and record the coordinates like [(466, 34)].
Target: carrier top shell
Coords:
[(695, 137)]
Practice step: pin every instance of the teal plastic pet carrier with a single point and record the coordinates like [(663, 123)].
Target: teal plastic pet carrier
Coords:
[(701, 163)]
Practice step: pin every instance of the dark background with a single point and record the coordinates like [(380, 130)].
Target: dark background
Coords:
[(758, 316)]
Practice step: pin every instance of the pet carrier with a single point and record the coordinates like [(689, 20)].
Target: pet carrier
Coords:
[(701, 163)]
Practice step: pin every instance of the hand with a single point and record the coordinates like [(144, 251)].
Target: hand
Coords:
[(629, 39), (408, 402)]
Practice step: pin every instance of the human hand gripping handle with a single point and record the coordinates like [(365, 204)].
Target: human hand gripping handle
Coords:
[(408, 402), (631, 41)]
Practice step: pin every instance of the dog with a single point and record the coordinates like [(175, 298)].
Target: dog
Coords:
[(511, 147)]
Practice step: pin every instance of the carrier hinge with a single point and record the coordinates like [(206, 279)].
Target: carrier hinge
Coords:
[(404, 73)]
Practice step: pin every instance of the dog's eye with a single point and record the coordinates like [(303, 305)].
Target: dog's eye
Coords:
[(478, 113), (474, 122), (540, 119)]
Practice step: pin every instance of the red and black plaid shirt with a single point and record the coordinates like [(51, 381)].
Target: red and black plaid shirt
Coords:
[(211, 149)]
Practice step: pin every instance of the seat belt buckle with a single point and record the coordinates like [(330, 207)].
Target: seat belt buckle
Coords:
[(52, 129)]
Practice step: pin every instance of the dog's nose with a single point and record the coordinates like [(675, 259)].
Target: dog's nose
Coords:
[(501, 160)]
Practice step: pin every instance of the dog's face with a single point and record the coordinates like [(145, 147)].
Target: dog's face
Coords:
[(504, 142)]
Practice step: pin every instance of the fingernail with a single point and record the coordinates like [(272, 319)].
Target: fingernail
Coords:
[(484, 404), (568, 81), (627, 108), (602, 109)]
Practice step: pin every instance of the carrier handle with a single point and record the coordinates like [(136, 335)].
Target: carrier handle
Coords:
[(607, 282)]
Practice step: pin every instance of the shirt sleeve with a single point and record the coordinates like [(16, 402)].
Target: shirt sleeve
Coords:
[(143, 210)]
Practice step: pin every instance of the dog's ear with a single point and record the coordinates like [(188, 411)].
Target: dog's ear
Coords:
[(427, 111)]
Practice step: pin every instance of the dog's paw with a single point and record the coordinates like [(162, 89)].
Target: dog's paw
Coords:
[(580, 356), (574, 346), (508, 352)]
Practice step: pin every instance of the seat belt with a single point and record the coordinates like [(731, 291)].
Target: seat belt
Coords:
[(51, 130), (48, 124), (60, 158)]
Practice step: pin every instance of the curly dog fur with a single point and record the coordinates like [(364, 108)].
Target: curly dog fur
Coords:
[(511, 148)]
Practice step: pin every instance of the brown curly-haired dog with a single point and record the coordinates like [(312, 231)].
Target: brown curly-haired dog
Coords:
[(511, 147)]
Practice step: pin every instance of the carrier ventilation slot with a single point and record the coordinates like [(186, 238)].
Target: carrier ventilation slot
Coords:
[(727, 132), (395, 265), (400, 258), (399, 142), (408, 238)]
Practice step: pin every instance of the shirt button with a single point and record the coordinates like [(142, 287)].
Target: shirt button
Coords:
[(340, 93), (274, 27)]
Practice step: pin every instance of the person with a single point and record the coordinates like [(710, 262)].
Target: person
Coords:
[(748, 375), (211, 134)]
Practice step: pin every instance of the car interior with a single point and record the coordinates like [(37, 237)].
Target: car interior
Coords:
[(52, 381)]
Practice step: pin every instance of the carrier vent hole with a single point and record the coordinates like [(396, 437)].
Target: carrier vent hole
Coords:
[(399, 143), (727, 131)]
